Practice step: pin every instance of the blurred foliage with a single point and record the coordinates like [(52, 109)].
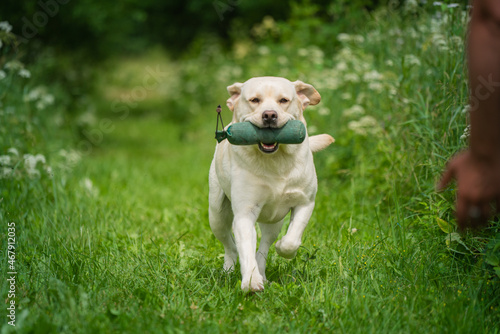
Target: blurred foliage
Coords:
[(104, 28), (67, 40)]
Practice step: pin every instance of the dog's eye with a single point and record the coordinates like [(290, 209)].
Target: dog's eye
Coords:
[(283, 100), (255, 100)]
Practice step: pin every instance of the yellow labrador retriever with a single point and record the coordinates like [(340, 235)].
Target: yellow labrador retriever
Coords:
[(263, 182)]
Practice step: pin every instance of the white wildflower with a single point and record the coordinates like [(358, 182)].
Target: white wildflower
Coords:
[(37, 93), (13, 151), (48, 169), (360, 98), (466, 109), (33, 173), (366, 125), (32, 95), (440, 42), (395, 32), (44, 101), (241, 49), (352, 77), (13, 65), (376, 86), (263, 50), (356, 128), (358, 38), (24, 73), (342, 66), (362, 66), (268, 26), (345, 54), (354, 111), (372, 76), (268, 22), (40, 158), (88, 185), (330, 82), (49, 98), (2, 74), (354, 230), (411, 32), (4, 160), (87, 118), (317, 56), (411, 60), (457, 40), (30, 162), (343, 37), (71, 158), (346, 96), (302, 52), (323, 111), (466, 133), (5, 26), (6, 172), (411, 6)]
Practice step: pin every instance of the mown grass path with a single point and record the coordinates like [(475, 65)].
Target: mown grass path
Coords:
[(135, 252)]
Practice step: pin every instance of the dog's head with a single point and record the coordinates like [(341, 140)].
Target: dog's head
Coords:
[(270, 101)]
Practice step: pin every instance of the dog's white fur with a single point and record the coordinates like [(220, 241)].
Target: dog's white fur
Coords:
[(249, 186)]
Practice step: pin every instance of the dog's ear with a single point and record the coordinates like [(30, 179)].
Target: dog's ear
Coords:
[(307, 94), (234, 90)]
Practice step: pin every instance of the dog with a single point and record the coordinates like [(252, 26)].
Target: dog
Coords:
[(262, 183)]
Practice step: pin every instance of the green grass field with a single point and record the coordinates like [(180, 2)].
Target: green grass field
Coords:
[(114, 237)]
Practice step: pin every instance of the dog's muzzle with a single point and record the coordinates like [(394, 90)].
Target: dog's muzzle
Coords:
[(268, 148), (270, 118)]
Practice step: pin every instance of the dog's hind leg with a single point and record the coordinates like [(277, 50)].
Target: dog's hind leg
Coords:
[(220, 216), (269, 234)]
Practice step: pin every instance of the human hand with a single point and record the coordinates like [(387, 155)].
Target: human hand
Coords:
[(478, 181)]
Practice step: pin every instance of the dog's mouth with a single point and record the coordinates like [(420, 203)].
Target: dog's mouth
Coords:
[(268, 148)]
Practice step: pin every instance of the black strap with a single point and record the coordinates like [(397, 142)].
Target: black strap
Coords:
[(220, 135)]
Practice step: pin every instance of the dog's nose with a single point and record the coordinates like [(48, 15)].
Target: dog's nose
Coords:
[(269, 117)]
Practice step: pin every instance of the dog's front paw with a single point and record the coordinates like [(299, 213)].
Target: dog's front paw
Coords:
[(285, 249), (253, 283)]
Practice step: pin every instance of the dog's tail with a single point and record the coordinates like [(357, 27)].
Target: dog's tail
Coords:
[(319, 142)]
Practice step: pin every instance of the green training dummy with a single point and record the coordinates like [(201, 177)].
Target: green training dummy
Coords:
[(245, 133)]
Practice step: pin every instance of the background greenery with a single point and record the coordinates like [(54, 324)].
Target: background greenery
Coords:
[(106, 125)]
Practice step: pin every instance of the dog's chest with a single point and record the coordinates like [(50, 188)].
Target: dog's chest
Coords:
[(278, 203)]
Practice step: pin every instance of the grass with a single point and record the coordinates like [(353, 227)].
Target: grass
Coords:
[(119, 241)]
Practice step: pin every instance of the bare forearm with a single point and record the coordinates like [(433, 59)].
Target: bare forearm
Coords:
[(484, 79)]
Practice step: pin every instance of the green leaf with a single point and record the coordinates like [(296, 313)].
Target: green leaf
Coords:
[(497, 271), (451, 237), (492, 259), (444, 225)]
